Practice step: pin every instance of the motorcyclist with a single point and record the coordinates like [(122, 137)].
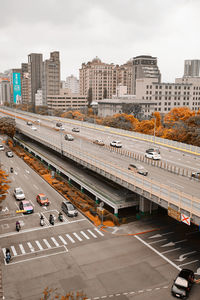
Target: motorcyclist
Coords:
[(60, 216), (8, 255), (18, 226), (11, 169), (41, 220), (51, 219)]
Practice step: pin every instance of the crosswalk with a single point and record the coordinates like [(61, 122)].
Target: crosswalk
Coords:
[(54, 241)]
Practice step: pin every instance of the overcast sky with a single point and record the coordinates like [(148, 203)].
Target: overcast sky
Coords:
[(113, 30)]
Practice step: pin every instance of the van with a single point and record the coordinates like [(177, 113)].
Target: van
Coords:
[(69, 137)]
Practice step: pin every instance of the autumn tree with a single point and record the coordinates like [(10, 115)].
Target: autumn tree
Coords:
[(8, 126), (178, 114), (3, 186), (134, 109)]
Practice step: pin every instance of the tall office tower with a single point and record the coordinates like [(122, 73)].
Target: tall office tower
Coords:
[(51, 76), (192, 68), (5, 90), (145, 66), (24, 82), (35, 76), (125, 76), (98, 80), (71, 83)]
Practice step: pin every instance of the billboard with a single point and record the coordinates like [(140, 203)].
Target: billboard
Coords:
[(16, 88)]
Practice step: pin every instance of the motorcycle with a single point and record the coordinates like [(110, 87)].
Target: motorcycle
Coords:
[(51, 220), (60, 217), (18, 227), (41, 221), (11, 170), (8, 256)]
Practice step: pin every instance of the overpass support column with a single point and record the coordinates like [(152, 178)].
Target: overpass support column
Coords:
[(116, 212), (146, 206), (82, 189)]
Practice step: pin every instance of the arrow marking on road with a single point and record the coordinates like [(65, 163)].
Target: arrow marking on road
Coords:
[(159, 235), (27, 171), (5, 209), (170, 244), (183, 256)]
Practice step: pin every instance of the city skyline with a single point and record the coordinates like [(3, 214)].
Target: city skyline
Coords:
[(115, 31)]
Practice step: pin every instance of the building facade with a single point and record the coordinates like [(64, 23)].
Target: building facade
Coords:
[(192, 68), (5, 90), (71, 83), (25, 82)]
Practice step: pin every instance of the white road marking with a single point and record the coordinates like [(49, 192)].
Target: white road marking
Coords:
[(5, 209), (47, 243), (55, 242), (92, 233), (25, 176), (36, 187), (191, 262), (157, 241), (13, 250), (99, 232), (85, 235), (27, 171), (22, 249), (31, 202), (39, 245), (170, 250), (165, 258), (61, 238), (184, 256), (170, 244), (4, 251), (159, 235), (78, 237), (31, 247), (70, 238)]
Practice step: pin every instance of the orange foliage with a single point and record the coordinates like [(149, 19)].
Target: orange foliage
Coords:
[(3, 185), (178, 114)]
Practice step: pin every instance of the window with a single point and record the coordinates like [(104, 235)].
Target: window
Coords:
[(174, 103), (165, 103)]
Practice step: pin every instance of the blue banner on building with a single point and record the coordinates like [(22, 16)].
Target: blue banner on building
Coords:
[(17, 88)]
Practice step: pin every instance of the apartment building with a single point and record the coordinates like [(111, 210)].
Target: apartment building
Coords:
[(66, 100), (5, 90), (71, 83), (51, 76), (24, 82)]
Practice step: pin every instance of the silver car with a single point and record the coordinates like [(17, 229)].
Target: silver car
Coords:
[(19, 194)]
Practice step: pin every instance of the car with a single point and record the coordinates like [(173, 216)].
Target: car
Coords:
[(138, 169), (116, 144), (37, 121), (196, 174), (99, 142), (29, 123), (183, 284), (19, 194), (68, 208), (1, 148), (42, 199), (75, 129), (58, 124), (33, 128), (153, 150), (69, 137), (9, 153), (26, 206), (153, 155)]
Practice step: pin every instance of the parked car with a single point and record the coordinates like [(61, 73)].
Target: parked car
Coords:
[(116, 144), (153, 155), (196, 174), (1, 148), (183, 284), (29, 123), (26, 206), (69, 137), (68, 208), (153, 150), (33, 128), (138, 169), (42, 199), (9, 153), (19, 194), (99, 142), (75, 129)]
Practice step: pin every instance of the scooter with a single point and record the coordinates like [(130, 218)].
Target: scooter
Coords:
[(51, 220), (18, 227), (11, 170), (8, 256), (60, 217), (41, 221)]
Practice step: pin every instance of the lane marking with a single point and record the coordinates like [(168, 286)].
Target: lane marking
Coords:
[(92, 233), (62, 239), (159, 235), (36, 187), (78, 237), (55, 242), (170, 250), (22, 249), (25, 176), (4, 251), (85, 235), (13, 250), (99, 232), (70, 238), (47, 243), (39, 245), (157, 241), (30, 246), (191, 262)]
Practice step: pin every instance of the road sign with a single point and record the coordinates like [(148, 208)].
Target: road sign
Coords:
[(174, 214), (185, 219)]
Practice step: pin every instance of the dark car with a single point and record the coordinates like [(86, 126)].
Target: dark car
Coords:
[(69, 209), (196, 174), (9, 153), (153, 150), (59, 124), (182, 284)]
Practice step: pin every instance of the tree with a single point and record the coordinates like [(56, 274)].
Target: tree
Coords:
[(8, 126), (178, 114), (53, 294), (134, 109), (3, 185)]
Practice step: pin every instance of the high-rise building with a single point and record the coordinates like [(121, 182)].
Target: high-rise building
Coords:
[(5, 91), (98, 80), (51, 76), (125, 76), (35, 76), (192, 68), (71, 83), (24, 82), (145, 66)]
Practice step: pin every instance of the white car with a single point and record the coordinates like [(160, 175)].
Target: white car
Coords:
[(153, 155), (19, 194), (33, 128), (1, 147), (116, 144)]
